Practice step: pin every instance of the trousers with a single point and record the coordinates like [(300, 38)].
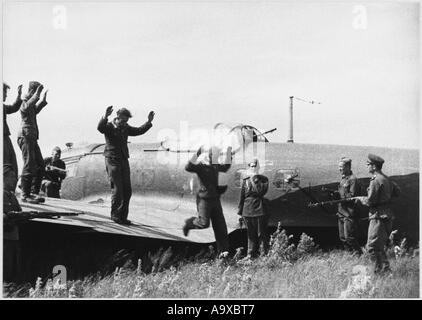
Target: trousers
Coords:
[(378, 235), (210, 210), (257, 234), (51, 189), (10, 165), (33, 166), (118, 171), (348, 232)]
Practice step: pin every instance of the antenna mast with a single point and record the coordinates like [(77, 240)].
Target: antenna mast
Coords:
[(290, 139)]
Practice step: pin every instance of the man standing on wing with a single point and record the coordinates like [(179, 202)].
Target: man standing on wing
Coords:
[(33, 162), (116, 155)]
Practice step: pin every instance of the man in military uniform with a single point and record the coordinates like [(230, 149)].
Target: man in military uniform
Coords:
[(347, 213), (206, 166), (33, 162), (380, 193), (116, 155), (10, 165), (55, 172), (253, 209)]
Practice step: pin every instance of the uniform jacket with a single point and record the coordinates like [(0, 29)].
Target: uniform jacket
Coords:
[(381, 190), (348, 187), (251, 203), (208, 178), (29, 110), (116, 138), (54, 175), (8, 109)]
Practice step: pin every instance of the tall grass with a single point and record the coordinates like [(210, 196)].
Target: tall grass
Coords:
[(287, 271)]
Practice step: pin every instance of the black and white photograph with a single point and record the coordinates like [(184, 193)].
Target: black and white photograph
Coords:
[(206, 150)]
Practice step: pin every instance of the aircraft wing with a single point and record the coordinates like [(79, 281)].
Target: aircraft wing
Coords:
[(147, 222)]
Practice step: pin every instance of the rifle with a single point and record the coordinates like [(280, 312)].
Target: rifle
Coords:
[(329, 190), (333, 192), (19, 216), (56, 168), (323, 203)]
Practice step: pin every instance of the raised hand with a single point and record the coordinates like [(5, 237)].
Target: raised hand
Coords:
[(19, 90), (39, 89), (151, 116), (45, 96), (109, 111), (200, 150)]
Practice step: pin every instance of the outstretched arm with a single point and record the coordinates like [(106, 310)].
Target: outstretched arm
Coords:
[(133, 131), (191, 166), (34, 97), (42, 103), (16, 105), (102, 125)]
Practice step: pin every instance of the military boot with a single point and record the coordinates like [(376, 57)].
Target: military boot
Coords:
[(28, 199), (38, 198), (188, 225)]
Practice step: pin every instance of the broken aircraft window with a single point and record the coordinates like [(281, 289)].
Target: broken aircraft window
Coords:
[(286, 179)]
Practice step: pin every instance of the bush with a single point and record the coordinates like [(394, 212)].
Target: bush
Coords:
[(283, 250)]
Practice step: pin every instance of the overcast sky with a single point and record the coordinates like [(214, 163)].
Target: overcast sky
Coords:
[(210, 62)]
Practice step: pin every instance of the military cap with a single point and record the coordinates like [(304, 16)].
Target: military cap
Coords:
[(345, 160), (5, 86), (57, 149), (33, 85), (124, 112), (374, 159)]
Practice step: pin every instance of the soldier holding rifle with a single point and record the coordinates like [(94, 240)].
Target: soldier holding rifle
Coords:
[(381, 191), (347, 212)]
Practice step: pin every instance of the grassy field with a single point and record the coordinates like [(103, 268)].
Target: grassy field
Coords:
[(288, 271)]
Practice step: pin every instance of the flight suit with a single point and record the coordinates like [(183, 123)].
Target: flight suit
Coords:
[(10, 165), (347, 213), (33, 162), (117, 164), (208, 202), (380, 192), (253, 209), (52, 181)]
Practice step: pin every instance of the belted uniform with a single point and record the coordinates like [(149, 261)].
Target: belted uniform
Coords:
[(347, 213), (254, 210)]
